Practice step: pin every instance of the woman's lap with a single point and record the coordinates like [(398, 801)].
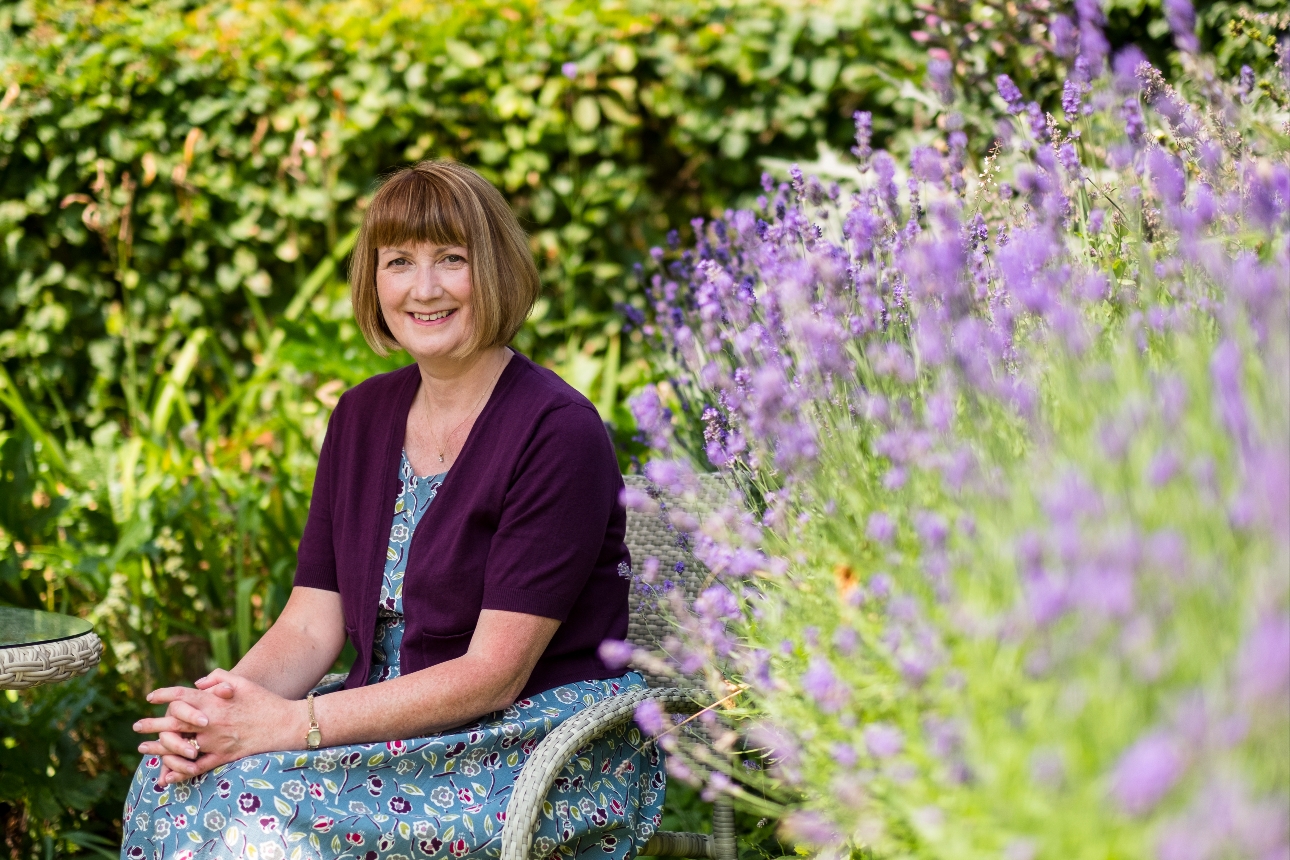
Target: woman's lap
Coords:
[(443, 795)]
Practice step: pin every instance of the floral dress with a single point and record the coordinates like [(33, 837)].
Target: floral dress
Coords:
[(438, 796)]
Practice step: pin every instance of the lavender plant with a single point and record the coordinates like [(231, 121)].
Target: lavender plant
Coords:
[(1006, 565)]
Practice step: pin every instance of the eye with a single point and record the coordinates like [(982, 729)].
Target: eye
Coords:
[(397, 261), (454, 259)]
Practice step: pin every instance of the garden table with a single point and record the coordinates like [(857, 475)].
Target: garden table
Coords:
[(43, 647)]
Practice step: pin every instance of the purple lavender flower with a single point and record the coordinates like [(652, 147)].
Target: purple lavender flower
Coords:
[(940, 73), (1182, 21), (927, 164), (1146, 773), (1064, 36), (883, 740), (1163, 467), (1037, 121), (885, 171), (844, 754), (881, 527), (823, 686), (810, 828), (1090, 10), (844, 639), (864, 133), (1226, 368), (1096, 220), (1072, 93), (615, 653), (1135, 126), (651, 718), (1010, 94), (1246, 85), (1093, 47), (717, 602), (1126, 64), (569, 70), (651, 417), (1068, 156), (1167, 174), (1263, 666)]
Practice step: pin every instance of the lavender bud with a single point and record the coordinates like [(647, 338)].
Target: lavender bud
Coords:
[(864, 133), (1146, 773), (1182, 21), (1010, 94), (1072, 92), (883, 740)]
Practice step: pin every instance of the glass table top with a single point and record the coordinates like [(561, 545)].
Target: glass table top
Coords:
[(31, 627)]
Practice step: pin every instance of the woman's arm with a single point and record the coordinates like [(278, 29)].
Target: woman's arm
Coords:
[(488, 677), (253, 719), (295, 652), (300, 647)]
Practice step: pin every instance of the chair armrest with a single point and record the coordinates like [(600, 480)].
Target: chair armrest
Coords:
[(330, 684), (554, 752)]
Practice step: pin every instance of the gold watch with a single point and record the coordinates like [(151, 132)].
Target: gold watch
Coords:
[(314, 738)]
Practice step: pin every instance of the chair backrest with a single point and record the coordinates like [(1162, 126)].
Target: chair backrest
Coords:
[(663, 533)]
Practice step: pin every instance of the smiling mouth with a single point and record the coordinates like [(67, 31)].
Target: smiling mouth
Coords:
[(437, 315)]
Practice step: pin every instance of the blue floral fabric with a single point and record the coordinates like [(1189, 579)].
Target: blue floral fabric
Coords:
[(438, 796)]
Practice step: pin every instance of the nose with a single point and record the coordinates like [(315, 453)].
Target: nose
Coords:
[(425, 284)]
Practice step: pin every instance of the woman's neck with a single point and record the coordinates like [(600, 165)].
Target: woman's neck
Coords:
[(450, 387), (448, 402)]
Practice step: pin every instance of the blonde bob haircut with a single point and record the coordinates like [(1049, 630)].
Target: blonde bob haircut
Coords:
[(446, 203)]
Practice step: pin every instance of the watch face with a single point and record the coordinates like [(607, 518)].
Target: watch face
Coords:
[(314, 738)]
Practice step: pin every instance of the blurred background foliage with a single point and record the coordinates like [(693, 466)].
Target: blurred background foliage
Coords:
[(179, 186)]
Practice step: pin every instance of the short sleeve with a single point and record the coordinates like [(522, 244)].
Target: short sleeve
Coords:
[(316, 555), (554, 517)]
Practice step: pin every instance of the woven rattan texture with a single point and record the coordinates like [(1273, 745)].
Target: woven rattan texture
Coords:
[(663, 532), (555, 753), (678, 845), (47, 662)]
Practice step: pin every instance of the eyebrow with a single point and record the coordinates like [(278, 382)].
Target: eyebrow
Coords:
[(391, 249)]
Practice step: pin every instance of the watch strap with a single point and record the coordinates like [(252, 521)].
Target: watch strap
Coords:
[(313, 739)]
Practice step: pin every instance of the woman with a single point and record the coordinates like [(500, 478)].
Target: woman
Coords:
[(466, 534)]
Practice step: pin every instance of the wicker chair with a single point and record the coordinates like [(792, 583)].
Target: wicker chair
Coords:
[(648, 534)]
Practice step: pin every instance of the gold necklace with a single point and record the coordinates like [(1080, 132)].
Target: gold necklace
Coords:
[(448, 440)]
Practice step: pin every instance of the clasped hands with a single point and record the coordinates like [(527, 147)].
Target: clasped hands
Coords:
[(224, 717)]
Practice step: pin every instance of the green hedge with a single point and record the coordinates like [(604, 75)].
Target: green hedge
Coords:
[(166, 166)]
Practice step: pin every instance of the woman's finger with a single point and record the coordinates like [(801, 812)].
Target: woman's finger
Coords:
[(215, 677), (187, 713), (153, 748), (169, 694), (155, 725), (177, 744), (183, 770), (182, 767)]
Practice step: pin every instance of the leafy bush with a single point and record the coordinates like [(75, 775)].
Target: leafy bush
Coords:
[(165, 166), (1006, 570)]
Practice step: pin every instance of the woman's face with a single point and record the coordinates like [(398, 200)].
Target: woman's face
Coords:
[(425, 292)]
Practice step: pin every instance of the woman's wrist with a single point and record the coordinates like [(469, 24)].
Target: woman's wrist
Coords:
[(296, 728)]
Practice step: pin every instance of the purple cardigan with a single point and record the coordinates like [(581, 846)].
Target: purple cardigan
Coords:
[(529, 519)]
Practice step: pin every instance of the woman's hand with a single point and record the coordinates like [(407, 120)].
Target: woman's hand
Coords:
[(175, 732), (229, 716)]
